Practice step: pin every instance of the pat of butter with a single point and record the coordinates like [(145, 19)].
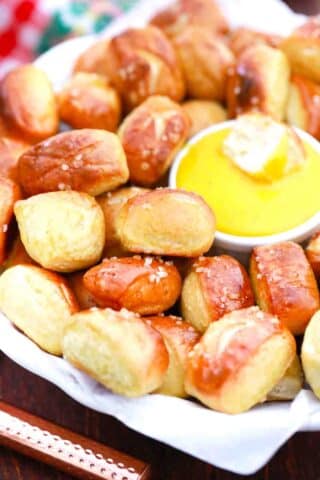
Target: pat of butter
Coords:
[(263, 148)]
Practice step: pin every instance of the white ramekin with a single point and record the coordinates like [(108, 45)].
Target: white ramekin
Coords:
[(238, 243)]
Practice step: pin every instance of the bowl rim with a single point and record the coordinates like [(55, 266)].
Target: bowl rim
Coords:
[(239, 242)]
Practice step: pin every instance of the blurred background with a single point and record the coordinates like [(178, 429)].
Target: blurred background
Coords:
[(30, 27)]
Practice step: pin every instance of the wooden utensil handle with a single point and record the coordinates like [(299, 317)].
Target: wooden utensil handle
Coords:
[(77, 455)]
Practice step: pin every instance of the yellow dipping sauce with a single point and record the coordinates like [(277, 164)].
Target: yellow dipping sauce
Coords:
[(243, 205)]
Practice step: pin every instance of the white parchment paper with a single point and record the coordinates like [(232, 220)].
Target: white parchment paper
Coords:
[(241, 443)]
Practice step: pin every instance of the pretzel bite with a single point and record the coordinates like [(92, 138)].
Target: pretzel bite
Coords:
[(94, 59), (62, 231), (214, 286), (179, 338), (242, 38), (302, 48), (18, 255), (91, 161), (166, 222), (10, 150), (143, 63), (239, 360), (284, 284), (111, 203), (39, 303), (310, 354), (83, 296), (151, 136), (313, 254), (94, 343), (9, 194), (28, 102), (290, 384), (88, 101), (197, 46), (303, 105), (183, 13), (202, 114), (259, 81), (142, 285)]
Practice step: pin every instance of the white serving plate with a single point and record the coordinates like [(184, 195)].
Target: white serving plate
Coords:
[(241, 443)]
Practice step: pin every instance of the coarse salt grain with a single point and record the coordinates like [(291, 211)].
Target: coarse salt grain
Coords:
[(64, 167), (5, 227)]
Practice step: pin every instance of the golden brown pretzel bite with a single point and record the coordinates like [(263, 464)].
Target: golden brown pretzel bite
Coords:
[(242, 38), (239, 360), (94, 343), (183, 13), (166, 221), (83, 296), (111, 203), (179, 337), (303, 105), (143, 63), (259, 81), (284, 284), (9, 195), (151, 135), (214, 286), (28, 102), (205, 60), (302, 48), (88, 101), (94, 59), (313, 253), (39, 303), (18, 255), (62, 231), (202, 114), (147, 286), (87, 160)]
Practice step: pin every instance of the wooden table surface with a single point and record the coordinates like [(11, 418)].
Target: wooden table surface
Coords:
[(299, 459)]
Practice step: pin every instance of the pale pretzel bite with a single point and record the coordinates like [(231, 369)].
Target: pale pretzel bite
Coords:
[(166, 221), (310, 354), (62, 231), (88, 101), (259, 82), (284, 284), (50, 304), (94, 343), (111, 203), (9, 195), (239, 360), (143, 285), (213, 287), (28, 102), (205, 60), (183, 13), (242, 38), (143, 63), (302, 48), (94, 59), (313, 253), (290, 384), (151, 136), (84, 297), (86, 160), (179, 337), (303, 105), (203, 113)]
